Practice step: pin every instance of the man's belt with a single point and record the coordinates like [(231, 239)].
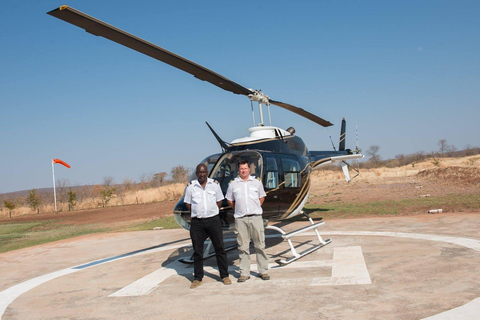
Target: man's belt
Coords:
[(203, 218)]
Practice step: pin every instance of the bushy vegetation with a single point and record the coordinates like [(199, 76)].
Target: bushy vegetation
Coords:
[(445, 150)]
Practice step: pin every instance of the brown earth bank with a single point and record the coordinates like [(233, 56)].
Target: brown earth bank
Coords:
[(371, 187), (108, 215)]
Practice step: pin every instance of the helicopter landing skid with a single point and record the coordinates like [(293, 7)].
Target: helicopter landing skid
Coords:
[(287, 236), (206, 253)]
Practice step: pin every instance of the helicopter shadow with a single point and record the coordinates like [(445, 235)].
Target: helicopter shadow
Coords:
[(185, 270)]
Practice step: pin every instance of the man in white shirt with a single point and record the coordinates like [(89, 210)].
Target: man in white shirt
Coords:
[(245, 195), (203, 198)]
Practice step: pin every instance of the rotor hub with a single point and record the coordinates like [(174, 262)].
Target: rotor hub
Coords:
[(260, 97)]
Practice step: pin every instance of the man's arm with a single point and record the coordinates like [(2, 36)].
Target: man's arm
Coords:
[(261, 201), (189, 207), (232, 204)]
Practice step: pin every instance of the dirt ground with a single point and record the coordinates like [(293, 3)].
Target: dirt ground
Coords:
[(120, 214)]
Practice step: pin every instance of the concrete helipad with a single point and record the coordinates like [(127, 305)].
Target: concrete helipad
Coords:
[(417, 267)]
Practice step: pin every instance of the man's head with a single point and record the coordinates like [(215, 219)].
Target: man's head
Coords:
[(202, 173), (243, 169)]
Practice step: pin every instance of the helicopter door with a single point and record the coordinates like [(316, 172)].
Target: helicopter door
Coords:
[(271, 184), (291, 179)]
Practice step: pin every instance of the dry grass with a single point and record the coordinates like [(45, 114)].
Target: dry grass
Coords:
[(164, 193), (468, 166)]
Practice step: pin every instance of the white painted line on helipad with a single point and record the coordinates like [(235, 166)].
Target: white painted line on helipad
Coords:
[(470, 310), (9, 295), (147, 284), (464, 242), (349, 268)]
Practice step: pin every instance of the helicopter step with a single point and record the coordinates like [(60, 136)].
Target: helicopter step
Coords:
[(287, 236), (207, 253)]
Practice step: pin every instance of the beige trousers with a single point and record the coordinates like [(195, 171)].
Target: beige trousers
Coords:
[(246, 229)]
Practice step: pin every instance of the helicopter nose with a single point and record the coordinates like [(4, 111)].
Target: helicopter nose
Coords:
[(181, 214)]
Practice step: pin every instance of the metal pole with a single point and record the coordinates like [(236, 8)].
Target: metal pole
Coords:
[(261, 114), (54, 192), (253, 113)]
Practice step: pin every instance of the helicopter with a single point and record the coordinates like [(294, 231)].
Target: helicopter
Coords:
[(277, 157)]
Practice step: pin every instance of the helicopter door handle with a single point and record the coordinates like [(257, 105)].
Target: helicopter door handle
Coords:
[(275, 197)]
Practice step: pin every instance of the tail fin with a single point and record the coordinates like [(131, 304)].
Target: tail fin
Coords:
[(341, 146)]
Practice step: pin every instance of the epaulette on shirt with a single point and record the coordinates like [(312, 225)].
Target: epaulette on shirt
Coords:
[(258, 178), (189, 183), (215, 181)]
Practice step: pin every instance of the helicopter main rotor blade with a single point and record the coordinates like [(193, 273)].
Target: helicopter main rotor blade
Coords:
[(303, 113), (100, 28)]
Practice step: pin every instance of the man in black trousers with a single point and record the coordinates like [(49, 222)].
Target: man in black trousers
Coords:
[(203, 198)]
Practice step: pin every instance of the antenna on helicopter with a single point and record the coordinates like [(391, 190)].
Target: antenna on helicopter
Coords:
[(357, 149), (223, 144), (331, 141)]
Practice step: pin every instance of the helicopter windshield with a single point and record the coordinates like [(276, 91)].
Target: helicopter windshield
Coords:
[(209, 162), (227, 167)]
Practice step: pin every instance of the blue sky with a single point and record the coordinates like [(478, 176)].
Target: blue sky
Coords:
[(405, 72)]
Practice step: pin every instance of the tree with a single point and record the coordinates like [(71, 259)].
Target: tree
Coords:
[(128, 185), (451, 150), (446, 148), (372, 152), (108, 191), (158, 178), (107, 181), (145, 179), (10, 205), (180, 174), (107, 194), (442, 144), (62, 190), (32, 199), (72, 199)]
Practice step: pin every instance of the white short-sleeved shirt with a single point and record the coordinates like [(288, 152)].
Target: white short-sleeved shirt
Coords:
[(203, 201), (246, 195)]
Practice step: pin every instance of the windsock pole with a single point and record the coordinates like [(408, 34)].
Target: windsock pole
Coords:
[(53, 174), (54, 192)]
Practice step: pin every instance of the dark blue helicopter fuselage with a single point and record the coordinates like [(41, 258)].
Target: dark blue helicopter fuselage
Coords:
[(283, 164)]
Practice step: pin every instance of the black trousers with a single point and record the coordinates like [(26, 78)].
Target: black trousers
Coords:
[(200, 230)]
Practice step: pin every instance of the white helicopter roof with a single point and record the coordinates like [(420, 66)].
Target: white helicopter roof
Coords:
[(262, 132)]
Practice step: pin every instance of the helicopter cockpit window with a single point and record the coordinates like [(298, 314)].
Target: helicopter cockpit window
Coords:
[(291, 171), (271, 173), (227, 167), (209, 162)]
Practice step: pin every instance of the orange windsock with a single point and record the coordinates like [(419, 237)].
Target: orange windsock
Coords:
[(61, 162)]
